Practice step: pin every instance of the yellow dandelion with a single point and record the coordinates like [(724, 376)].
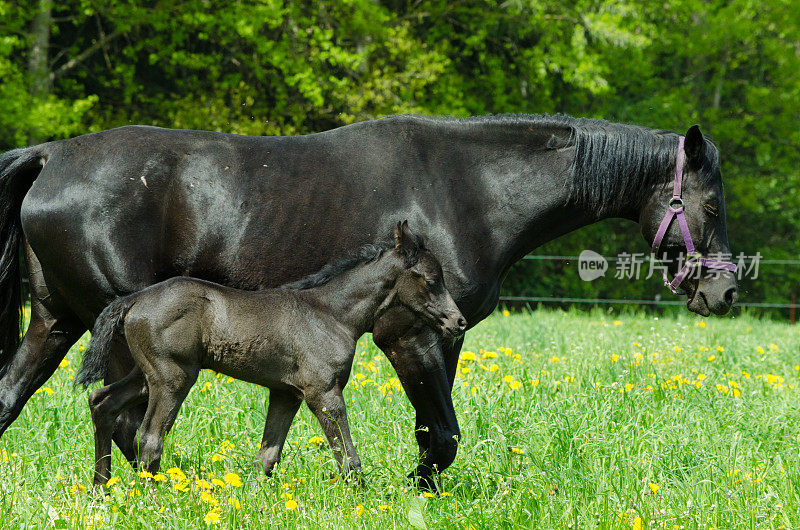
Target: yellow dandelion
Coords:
[(212, 517), (183, 486), (494, 368), (508, 379), (209, 499), (653, 487), (516, 450), (233, 479), (384, 507), (64, 363), (203, 484), (159, 477), (316, 440), (217, 457), (112, 481), (720, 349), (677, 349), (359, 510), (614, 358), (506, 312), (291, 505), (760, 350), (514, 385), (446, 494), (712, 358), (206, 386), (617, 322), (428, 494), (217, 482), (467, 356)]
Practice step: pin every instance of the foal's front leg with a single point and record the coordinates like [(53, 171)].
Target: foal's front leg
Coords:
[(329, 408), (283, 406)]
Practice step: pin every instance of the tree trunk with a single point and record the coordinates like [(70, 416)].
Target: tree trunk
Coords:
[(37, 59)]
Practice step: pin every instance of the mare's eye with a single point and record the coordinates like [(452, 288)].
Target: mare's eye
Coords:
[(430, 283), (711, 209)]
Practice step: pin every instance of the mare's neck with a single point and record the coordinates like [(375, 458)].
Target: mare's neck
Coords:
[(516, 194)]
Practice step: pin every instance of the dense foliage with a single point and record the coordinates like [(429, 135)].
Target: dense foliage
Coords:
[(272, 67)]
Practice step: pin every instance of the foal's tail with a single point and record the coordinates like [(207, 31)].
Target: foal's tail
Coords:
[(110, 323)]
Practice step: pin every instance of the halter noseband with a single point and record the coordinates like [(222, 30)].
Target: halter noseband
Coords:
[(675, 210)]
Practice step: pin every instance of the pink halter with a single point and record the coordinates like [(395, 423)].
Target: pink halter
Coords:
[(675, 210)]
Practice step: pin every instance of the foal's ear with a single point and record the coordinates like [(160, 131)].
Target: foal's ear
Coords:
[(406, 242), (695, 144)]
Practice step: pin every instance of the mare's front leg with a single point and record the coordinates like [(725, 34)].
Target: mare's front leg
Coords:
[(417, 354), (106, 404), (329, 408), (283, 406)]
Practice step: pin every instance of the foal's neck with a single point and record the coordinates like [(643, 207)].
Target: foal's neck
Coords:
[(354, 296)]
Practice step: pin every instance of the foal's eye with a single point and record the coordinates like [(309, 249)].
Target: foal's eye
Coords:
[(711, 209), (430, 283)]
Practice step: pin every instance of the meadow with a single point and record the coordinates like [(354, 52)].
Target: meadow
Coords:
[(569, 420)]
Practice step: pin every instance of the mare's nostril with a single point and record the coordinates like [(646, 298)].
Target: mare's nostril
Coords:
[(731, 296), (462, 324)]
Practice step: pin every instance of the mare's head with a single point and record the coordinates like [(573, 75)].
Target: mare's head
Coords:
[(709, 290), (419, 285)]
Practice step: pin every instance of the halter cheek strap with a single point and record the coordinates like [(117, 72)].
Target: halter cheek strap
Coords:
[(675, 210)]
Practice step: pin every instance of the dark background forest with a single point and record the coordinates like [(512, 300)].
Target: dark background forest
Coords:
[(271, 67)]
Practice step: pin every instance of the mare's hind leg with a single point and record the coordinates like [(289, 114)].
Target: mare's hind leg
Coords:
[(329, 408), (283, 406), (106, 404), (51, 332)]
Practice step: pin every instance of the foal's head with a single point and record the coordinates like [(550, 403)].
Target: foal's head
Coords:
[(420, 285)]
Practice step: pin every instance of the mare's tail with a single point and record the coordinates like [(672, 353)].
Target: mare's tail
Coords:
[(18, 169), (110, 323)]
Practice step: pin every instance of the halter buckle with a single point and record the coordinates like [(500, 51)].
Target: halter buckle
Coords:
[(676, 204)]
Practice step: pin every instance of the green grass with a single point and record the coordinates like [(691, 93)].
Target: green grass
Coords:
[(616, 408)]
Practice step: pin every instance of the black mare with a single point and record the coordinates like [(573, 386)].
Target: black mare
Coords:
[(107, 214)]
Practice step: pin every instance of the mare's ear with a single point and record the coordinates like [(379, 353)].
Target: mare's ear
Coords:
[(406, 243), (695, 144)]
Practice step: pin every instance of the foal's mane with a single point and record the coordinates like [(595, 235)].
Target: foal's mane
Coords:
[(363, 254), (616, 166)]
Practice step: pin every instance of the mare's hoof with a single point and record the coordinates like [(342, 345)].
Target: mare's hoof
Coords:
[(426, 482)]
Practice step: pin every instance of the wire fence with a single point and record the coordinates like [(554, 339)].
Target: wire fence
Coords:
[(790, 304)]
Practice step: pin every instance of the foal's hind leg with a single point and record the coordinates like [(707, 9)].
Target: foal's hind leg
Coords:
[(106, 404), (128, 421), (329, 408), (168, 389), (283, 406)]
